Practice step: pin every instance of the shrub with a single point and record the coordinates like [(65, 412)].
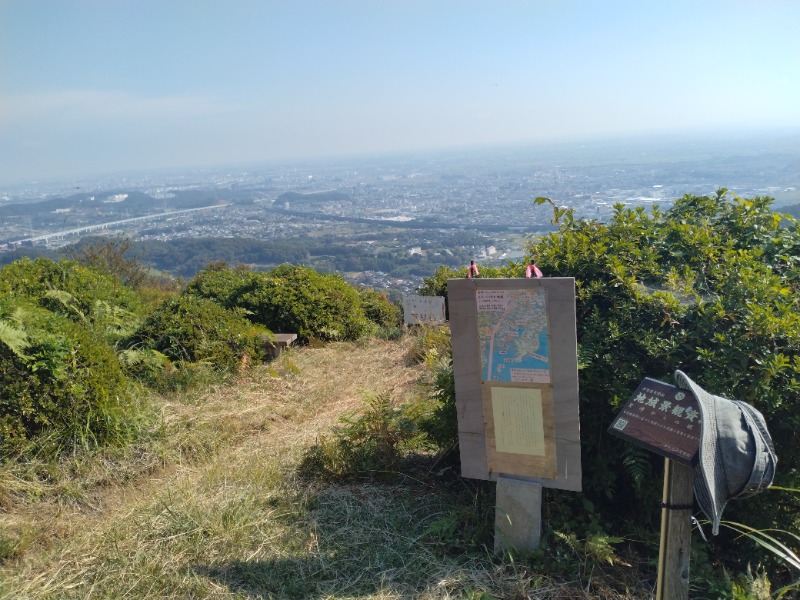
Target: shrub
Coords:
[(709, 286), (59, 382), (300, 300), (440, 422), (293, 299), (369, 444), (223, 285), (111, 257), (430, 344), (78, 292), (193, 329), (379, 309)]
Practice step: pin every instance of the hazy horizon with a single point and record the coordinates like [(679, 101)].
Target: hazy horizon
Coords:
[(90, 87)]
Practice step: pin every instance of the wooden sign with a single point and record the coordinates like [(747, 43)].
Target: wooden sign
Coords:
[(423, 310), (661, 418), (516, 379)]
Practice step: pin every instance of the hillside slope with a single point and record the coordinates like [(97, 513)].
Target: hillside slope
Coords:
[(216, 509), (223, 444)]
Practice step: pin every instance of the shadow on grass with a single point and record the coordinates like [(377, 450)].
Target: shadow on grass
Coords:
[(284, 578)]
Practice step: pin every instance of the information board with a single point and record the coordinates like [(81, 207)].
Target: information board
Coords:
[(516, 378)]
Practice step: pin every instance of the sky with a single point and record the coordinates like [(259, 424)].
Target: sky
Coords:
[(95, 86)]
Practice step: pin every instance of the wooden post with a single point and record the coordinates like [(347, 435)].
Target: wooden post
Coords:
[(518, 514), (676, 532)]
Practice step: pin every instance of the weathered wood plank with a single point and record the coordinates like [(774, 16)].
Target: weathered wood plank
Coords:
[(676, 532)]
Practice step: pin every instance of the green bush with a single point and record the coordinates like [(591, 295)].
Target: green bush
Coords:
[(709, 286), (98, 301), (293, 299), (440, 422), (368, 444), (223, 285), (191, 329), (59, 384), (379, 309)]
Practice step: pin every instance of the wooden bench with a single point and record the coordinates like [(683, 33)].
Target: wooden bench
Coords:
[(277, 342)]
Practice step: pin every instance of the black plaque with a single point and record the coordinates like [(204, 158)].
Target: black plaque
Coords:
[(662, 418)]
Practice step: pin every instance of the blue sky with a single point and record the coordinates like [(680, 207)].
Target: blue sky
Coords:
[(93, 86)]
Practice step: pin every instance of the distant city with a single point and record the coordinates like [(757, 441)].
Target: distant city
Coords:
[(388, 221)]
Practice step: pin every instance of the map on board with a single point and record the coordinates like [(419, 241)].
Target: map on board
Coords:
[(512, 329)]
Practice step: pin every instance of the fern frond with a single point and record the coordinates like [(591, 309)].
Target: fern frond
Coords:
[(67, 301), (637, 464), (14, 338)]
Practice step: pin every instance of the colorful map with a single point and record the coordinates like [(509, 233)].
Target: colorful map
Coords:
[(513, 334)]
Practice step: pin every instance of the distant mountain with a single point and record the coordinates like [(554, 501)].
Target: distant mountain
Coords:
[(130, 200)]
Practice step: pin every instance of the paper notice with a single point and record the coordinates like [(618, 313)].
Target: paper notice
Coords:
[(518, 421)]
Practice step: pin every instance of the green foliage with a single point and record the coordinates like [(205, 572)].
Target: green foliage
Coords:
[(596, 549), (750, 586), (369, 444), (435, 414), (436, 285), (439, 422), (60, 384), (223, 284), (111, 257), (313, 305), (80, 293), (293, 299), (379, 309), (430, 343), (149, 367), (710, 286), (192, 330), (757, 586)]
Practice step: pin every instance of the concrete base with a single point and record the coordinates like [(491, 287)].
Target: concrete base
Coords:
[(518, 515)]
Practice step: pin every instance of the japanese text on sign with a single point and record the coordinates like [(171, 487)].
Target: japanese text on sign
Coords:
[(491, 300), (662, 418)]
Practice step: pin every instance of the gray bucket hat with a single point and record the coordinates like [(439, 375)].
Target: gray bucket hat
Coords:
[(736, 457)]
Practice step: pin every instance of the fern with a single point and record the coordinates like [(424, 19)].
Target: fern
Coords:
[(115, 320), (14, 338), (637, 464), (67, 302)]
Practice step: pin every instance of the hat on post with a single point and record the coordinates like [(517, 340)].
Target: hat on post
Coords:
[(736, 457)]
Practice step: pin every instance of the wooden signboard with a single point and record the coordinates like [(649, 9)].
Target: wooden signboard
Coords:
[(516, 378), (661, 418)]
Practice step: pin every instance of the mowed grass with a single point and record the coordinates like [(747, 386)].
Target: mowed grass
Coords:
[(215, 508)]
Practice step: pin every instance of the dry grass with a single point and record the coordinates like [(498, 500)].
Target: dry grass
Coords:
[(217, 511)]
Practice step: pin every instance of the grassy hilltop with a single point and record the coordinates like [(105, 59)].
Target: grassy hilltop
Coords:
[(150, 447)]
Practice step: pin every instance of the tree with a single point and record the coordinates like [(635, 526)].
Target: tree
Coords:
[(111, 257)]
